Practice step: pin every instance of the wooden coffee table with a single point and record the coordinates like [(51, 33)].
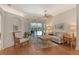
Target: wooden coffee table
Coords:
[(46, 38)]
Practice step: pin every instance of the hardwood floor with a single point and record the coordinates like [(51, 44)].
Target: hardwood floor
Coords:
[(29, 49)]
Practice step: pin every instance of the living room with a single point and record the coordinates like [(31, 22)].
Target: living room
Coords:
[(39, 21)]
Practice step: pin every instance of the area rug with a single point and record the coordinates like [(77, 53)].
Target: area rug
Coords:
[(38, 43)]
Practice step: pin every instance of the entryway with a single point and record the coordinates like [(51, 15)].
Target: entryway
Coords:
[(36, 29)]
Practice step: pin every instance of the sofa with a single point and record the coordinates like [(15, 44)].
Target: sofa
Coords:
[(58, 37)]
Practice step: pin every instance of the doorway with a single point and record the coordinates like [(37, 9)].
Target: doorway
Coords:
[(36, 29)]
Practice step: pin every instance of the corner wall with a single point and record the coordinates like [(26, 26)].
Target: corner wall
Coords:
[(77, 41), (67, 17), (8, 20)]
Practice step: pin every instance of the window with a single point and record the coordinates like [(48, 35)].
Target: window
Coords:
[(37, 28)]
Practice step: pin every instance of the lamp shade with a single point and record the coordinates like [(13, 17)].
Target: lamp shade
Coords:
[(73, 28)]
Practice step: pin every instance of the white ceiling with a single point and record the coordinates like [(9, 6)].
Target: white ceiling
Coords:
[(52, 9), (11, 10)]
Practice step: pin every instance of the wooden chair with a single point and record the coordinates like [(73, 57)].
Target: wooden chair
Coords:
[(65, 38), (73, 41), (69, 39), (16, 40), (19, 41)]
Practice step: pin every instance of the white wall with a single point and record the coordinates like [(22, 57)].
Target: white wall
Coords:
[(67, 17), (1, 28), (0, 22), (0, 31), (7, 28), (77, 41)]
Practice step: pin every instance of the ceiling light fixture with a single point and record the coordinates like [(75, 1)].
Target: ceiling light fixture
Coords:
[(46, 15)]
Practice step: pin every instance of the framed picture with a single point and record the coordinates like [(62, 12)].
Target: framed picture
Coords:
[(59, 26), (15, 28)]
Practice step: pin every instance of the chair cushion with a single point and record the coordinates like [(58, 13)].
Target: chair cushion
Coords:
[(18, 35), (23, 40)]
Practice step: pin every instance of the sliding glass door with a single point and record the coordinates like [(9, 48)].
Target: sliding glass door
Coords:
[(36, 29)]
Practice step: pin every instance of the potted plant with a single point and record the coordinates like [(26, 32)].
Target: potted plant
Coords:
[(27, 34)]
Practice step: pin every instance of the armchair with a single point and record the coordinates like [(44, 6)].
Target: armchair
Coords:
[(18, 40)]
